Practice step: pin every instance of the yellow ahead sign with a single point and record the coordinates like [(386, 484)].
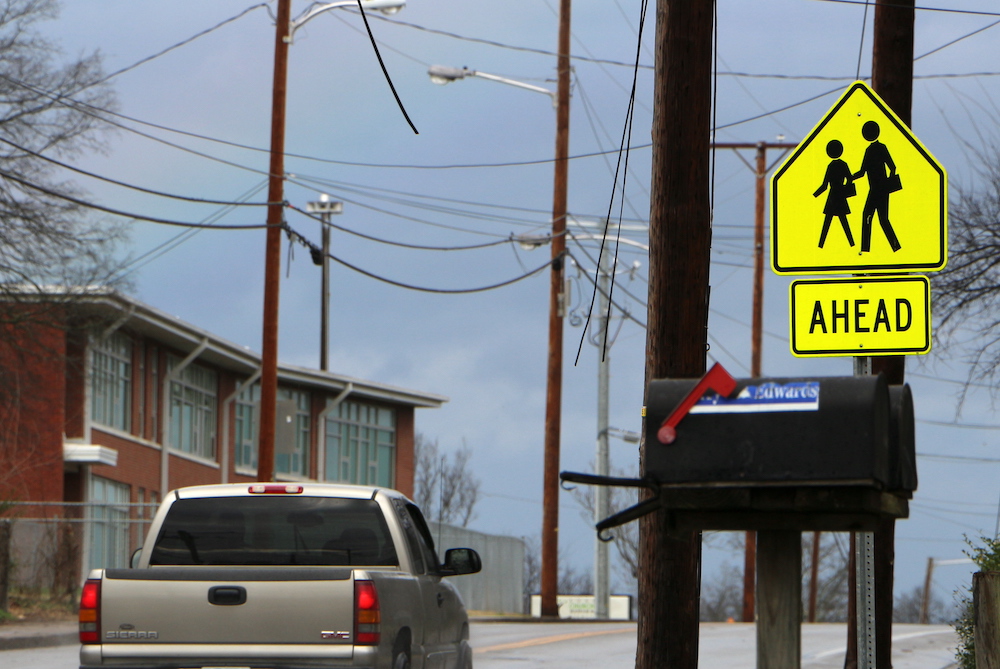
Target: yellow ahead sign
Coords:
[(859, 194), (860, 316)]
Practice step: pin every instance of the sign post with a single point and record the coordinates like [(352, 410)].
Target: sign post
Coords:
[(859, 165)]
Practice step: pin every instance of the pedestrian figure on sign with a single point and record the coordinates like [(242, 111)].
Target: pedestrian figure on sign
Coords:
[(880, 184), (838, 179)]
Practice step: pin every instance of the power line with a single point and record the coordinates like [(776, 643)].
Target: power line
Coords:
[(952, 511), (959, 458), (969, 426), (946, 10), (315, 249), (184, 42), (390, 242), (955, 41), (119, 212), (182, 237), (510, 47), (128, 185)]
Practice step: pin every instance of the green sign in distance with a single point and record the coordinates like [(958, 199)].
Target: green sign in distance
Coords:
[(862, 316), (860, 194)]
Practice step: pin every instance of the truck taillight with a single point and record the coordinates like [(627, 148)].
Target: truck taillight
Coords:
[(275, 489), (90, 612), (367, 617)]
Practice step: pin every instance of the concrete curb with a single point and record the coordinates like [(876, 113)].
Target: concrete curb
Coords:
[(18, 636)]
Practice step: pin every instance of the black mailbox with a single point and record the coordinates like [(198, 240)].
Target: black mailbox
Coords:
[(834, 430), (808, 453)]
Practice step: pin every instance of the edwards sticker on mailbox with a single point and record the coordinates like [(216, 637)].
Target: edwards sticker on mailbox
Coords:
[(767, 397)]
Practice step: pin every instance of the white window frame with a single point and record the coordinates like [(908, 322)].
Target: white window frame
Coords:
[(296, 463), (361, 444), (109, 523), (111, 381), (193, 419), (246, 410)]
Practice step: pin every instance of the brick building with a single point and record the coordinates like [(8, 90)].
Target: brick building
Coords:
[(109, 401)]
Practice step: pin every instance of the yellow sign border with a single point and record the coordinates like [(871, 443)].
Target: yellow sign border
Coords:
[(861, 350), (930, 266)]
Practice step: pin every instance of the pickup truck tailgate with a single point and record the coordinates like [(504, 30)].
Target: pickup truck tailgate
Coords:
[(228, 605)]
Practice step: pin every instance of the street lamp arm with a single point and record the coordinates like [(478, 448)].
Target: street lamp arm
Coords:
[(442, 74), (317, 8), (512, 82)]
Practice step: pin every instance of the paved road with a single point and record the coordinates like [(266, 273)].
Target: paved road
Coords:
[(722, 646), (612, 646)]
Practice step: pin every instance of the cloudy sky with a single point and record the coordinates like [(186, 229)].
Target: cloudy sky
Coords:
[(479, 171)]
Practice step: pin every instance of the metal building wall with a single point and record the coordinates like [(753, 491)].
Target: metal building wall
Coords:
[(499, 587)]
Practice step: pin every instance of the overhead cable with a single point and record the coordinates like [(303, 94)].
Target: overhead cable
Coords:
[(163, 52), (405, 245), (118, 212), (123, 184), (314, 249), (947, 10)]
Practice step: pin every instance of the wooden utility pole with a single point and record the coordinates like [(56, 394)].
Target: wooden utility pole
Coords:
[(676, 339), (761, 168), (814, 577), (986, 604), (553, 397), (272, 257), (892, 79), (925, 601)]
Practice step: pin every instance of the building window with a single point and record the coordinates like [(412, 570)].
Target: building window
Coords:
[(245, 428), (193, 410), (109, 524), (291, 439), (111, 382), (361, 444), (291, 444)]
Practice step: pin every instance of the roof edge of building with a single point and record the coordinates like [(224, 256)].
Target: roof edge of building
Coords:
[(220, 351)]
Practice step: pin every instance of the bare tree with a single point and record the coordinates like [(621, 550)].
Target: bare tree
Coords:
[(967, 291), (445, 487), (625, 538), (909, 605), (49, 110), (572, 581), (722, 598), (532, 566), (832, 587)]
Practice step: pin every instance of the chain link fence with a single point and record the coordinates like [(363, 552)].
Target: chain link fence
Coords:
[(48, 548)]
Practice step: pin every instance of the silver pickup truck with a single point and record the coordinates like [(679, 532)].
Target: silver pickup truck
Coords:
[(280, 576)]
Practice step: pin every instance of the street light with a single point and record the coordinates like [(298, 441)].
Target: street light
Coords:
[(554, 363), (385, 6), (325, 209), (602, 465), (442, 74), (285, 27)]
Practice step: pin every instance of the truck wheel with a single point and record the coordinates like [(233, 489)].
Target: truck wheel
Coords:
[(401, 660)]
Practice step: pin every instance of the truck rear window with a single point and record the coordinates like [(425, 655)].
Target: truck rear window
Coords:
[(274, 531)]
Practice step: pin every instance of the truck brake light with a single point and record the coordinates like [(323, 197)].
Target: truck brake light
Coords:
[(90, 612), (367, 616), (275, 489)]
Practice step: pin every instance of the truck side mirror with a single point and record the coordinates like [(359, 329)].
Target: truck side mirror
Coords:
[(459, 561), (134, 561)]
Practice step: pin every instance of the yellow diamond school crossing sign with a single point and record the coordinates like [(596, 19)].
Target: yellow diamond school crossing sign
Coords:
[(860, 194)]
